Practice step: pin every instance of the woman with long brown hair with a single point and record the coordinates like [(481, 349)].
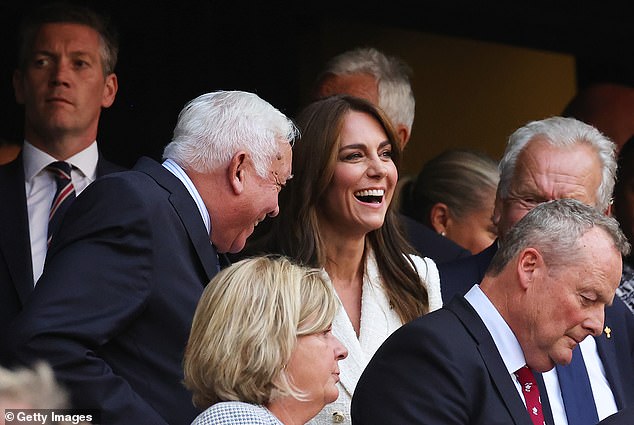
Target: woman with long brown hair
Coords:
[(336, 214)]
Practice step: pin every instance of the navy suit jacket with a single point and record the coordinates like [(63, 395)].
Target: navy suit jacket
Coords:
[(16, 270), (113, 310), (616, 351), (442, 368), (429, 243), (622, 417)]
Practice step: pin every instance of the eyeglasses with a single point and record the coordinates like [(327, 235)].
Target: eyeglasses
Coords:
[(278, 184)]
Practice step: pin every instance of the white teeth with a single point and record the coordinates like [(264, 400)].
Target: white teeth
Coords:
[(371, 192)]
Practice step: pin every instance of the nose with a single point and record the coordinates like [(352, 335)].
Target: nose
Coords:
[(59, 73), (275, 211), (341, 352), (377, 168), (594, 322)]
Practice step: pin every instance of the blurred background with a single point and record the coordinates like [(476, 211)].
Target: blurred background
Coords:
[(479, 71)]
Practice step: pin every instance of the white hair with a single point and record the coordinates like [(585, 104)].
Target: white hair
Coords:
[(561, 132), (396, 97), (214, 126)]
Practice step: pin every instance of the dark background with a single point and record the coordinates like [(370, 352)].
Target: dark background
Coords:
[(172, 52)]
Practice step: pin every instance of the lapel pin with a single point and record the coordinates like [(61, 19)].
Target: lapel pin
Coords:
[(608, 332)]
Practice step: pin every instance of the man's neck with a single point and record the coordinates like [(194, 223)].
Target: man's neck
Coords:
[(61, 148)]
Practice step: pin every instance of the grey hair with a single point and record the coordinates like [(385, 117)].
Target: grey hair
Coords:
[(214, 126), (554, 228), (396, 97), (36, 387), (561, 132)]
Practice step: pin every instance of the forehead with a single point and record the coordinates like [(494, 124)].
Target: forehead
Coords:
[(601, 268), (282, 160), (71, 36), (361, 128), (558, 172), (359, 85)]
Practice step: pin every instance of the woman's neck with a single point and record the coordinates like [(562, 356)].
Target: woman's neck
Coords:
[(344, 260), (291, 411)]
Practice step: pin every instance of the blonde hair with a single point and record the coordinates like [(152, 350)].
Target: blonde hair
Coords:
[(36, 387), (245, 329)]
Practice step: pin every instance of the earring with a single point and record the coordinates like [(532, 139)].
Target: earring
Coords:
[(443, 234)]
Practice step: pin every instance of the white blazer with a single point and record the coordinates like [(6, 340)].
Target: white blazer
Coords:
[(378, 321)]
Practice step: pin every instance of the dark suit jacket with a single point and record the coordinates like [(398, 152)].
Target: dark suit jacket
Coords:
[(442, 368), (616, 352), (622, 417), (429, 243), (16, 270), (113, 309)]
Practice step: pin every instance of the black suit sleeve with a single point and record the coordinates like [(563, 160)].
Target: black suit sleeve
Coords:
[(96, 282)]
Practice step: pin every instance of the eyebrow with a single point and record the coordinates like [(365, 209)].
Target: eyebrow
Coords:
[(362, 146)]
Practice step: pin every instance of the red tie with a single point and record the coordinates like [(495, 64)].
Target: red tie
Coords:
[(531, 395), (64, 195)]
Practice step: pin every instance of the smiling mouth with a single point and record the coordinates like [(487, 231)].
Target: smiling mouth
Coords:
[(373, 196)]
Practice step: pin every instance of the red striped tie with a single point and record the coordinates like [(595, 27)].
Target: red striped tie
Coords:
[(531, 394), (64, 195)]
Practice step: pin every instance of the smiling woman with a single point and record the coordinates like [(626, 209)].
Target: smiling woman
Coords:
[(337, 214)]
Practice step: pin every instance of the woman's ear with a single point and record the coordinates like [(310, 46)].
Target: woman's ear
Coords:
[(439, 217)]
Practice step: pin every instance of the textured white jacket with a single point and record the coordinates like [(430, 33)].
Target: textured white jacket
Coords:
[(378, 321)]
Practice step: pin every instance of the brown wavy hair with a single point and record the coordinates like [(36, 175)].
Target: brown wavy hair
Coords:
[(295, 232)]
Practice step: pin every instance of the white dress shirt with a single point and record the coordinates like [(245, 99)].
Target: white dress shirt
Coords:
[(176, 169), (503, 336), (40, 189)]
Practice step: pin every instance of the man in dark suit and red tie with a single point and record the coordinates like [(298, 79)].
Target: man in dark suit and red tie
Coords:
[(65, 76), (548, 159), (473, 361)]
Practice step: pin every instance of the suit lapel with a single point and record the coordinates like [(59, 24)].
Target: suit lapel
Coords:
[(14, 227), (352, 366), (608, 353), (498, 373), (188, 212)]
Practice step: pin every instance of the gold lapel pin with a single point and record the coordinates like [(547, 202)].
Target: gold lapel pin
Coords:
[(608, 332)]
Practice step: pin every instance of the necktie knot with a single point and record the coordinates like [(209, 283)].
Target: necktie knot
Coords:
[(530, 391), (60, 169)]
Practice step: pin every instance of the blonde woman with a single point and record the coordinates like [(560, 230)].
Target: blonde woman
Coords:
[(261, 349)]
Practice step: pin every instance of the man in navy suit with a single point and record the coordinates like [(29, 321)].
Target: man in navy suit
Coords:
[(545, 291), (65, 76), (552, 159), (113, 309)]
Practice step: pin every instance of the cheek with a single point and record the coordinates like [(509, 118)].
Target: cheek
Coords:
[(392, 178)]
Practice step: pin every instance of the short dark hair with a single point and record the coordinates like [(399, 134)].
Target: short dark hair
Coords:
[(68, 12)]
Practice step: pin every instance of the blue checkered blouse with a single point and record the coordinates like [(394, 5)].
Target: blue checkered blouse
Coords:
[(236, 413)]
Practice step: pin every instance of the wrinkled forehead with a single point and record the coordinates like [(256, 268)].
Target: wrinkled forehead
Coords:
[(550, 172)]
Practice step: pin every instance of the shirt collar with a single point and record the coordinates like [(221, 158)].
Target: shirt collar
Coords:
[(35, 160), (176, 169), (504, 338)]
